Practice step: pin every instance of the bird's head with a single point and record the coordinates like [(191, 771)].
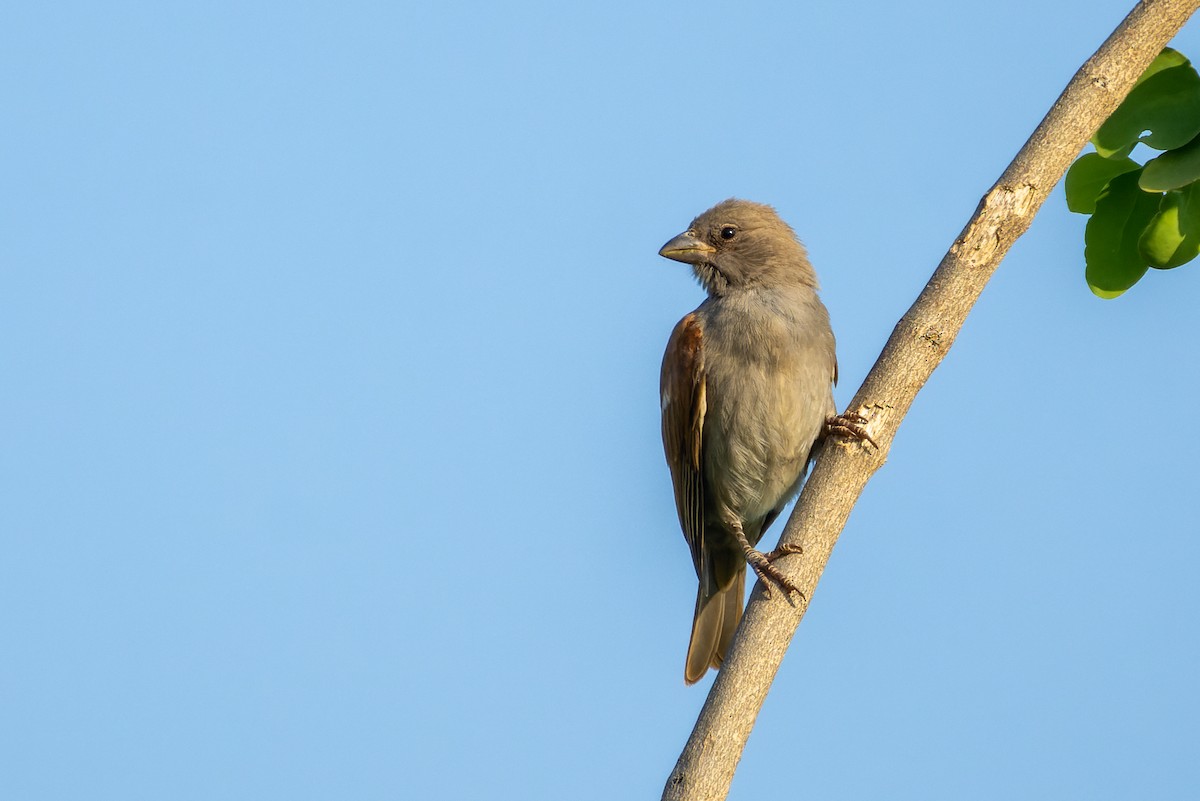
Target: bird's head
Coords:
[(738, 244)]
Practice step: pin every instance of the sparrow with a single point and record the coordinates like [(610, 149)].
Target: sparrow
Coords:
[(747, 391)]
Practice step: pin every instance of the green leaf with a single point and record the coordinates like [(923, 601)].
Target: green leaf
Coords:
[(1167, 104), (1169, 57), (1172, 169), (1088, 176), (1119, 153), (1172, 237), (1114, 262)]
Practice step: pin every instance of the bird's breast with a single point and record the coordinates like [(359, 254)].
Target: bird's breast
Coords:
[(769, 391)]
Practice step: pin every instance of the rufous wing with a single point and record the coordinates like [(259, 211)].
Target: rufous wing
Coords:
[(682, 389)]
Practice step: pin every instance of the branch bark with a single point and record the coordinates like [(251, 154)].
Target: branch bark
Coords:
[(916, 347)]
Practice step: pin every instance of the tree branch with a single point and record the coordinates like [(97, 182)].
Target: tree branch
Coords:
[(916, 347)]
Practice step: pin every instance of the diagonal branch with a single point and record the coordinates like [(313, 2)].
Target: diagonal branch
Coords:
[(916, 347)]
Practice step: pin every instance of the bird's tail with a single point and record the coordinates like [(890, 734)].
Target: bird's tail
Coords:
[(717, 614)]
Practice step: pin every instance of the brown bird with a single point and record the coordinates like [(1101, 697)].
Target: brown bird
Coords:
[(747, 388)]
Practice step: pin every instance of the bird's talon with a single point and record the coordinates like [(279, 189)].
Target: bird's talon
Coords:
[(768, 574), (784, 549), (850, 425)]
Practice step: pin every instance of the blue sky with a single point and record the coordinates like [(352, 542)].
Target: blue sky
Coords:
[(331, 464)]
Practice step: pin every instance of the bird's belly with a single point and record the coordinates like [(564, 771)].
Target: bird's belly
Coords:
[(761, 432)]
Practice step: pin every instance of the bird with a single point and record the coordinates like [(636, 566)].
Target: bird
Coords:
[(747, 391)]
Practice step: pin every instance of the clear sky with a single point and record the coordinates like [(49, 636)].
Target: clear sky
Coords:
[(330, 338)]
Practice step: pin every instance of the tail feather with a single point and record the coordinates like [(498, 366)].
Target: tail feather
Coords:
[(717, 615)]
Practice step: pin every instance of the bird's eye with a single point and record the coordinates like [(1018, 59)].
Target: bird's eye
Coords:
[(728, 232)]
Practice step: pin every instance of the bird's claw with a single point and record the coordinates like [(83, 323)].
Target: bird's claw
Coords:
[(762, 563), (784, 549), (851, 425)]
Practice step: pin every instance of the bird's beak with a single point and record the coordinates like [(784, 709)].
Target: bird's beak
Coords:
[(687, 248)]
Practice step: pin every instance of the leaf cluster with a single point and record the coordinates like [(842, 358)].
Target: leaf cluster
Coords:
[(1142, 215)]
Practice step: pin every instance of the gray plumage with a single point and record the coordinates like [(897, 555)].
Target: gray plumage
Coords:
[(747, 386)]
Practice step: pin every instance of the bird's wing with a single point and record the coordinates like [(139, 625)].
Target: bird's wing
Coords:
[(682, 390)]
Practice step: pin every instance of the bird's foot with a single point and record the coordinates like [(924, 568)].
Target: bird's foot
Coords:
[(762, 563), (851, 425), (784, 549)]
